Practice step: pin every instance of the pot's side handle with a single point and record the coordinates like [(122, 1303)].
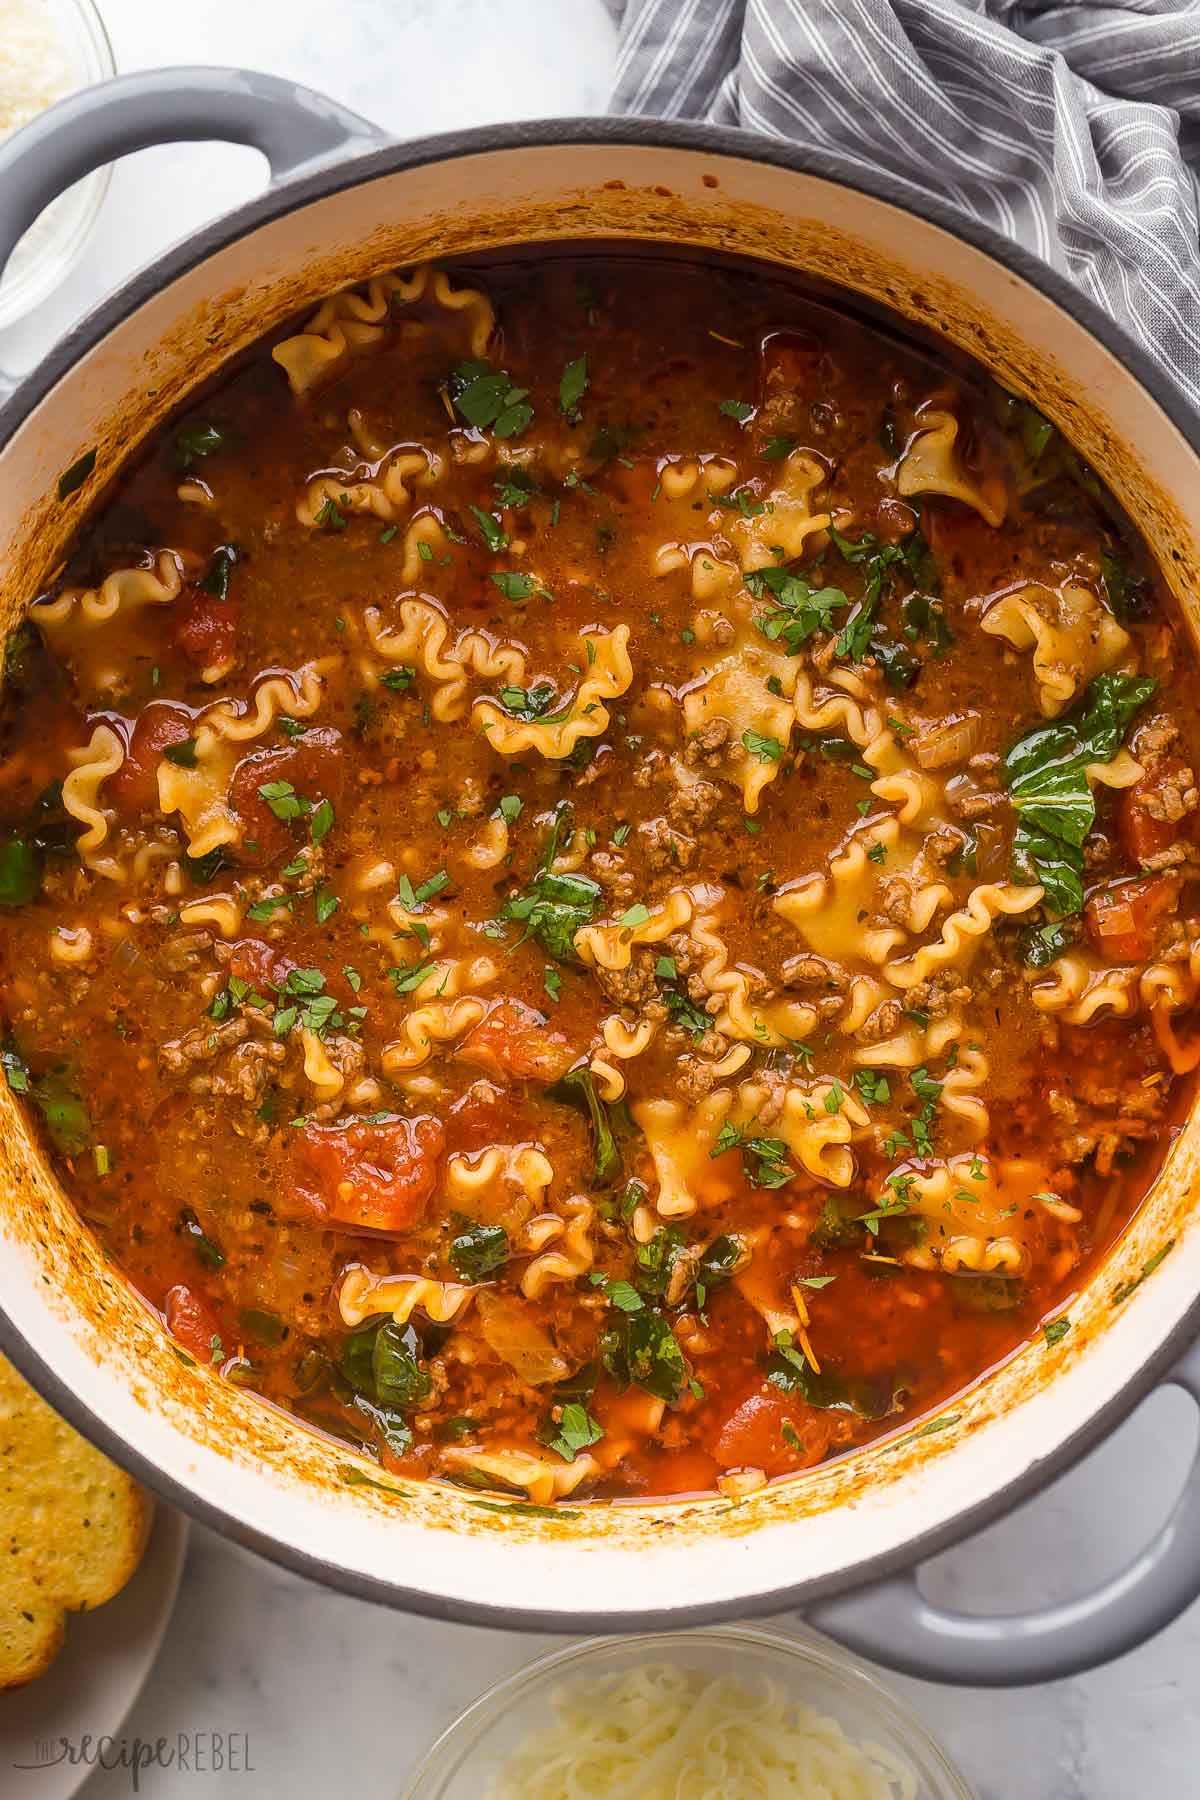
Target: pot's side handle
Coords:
[(892, 1623), (294, 128)]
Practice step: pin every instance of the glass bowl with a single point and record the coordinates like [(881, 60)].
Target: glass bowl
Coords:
[(474, 1749), (53, 242)]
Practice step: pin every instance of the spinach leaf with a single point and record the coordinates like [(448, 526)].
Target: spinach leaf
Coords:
[(655, 1261), (20, 872), (208, 1252), (391, 1426), (1034, 430), (900, 664), (13, 1064), (642, 1350), (573, 385), (66, 1116), (1040, 944), (381, 1361), (578, 1088), (215, 581), (266, 1327), (20, 647), (553, 908), (837, 1229), (921, 615), (203, 869), (1126, 592), (1046, 773), (479, 1251), (197, 440), (880, 563), (722, 1258), (870, 1397)]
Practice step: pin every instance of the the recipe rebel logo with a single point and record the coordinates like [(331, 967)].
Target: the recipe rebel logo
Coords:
[(188, 1752)]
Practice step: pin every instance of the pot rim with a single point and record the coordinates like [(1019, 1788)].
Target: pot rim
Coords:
[(290, 195)]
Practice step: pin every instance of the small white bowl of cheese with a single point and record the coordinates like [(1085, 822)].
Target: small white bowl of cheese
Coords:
[(48, 49)]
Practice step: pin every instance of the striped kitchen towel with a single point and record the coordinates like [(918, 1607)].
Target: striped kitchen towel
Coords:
[(1073, 128)]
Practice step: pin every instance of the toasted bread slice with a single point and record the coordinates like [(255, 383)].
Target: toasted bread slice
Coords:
[(72, 1529)]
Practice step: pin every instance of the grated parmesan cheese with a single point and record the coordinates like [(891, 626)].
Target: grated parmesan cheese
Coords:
[(664, 1732), (34, 69)]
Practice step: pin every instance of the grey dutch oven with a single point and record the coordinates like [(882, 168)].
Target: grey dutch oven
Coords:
[(843, 1541)]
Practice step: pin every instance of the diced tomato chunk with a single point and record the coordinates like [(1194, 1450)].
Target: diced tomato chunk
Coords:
[(516, 1040), (752, 1436), (259, 963), (1141, 834), (313, 768), (789, 361), (1120, 918), (375, 1177), (206, 628), (133, 790), (191, 1320)]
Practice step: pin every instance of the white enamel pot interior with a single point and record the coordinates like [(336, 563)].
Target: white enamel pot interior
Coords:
[(68, 1317)]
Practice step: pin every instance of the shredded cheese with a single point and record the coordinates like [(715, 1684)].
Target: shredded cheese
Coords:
[(664, 1732), (35, 71)]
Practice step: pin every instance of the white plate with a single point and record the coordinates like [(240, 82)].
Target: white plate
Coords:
[(89, 1688)]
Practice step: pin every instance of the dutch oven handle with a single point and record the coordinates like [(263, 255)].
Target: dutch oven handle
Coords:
[(294, 128), (892, 1622)]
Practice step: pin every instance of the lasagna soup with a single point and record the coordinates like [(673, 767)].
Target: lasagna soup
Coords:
[(598, 875)]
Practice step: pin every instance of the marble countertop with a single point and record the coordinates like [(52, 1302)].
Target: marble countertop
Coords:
[(319, 1683)]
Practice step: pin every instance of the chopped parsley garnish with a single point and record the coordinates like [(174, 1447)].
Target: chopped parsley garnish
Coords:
[(411, 897), (514, 585), (284, 801), (741, 410), (683, 1011), (399, 679), (488, 399), (573, 1432), (874, 1087), (767, 749), (527, 703), (407, 978), (800, 610), (494, 534), (764, 1159), (322, 820)]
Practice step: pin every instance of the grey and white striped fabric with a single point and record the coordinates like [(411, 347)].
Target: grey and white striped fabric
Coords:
[(1072, 128)]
